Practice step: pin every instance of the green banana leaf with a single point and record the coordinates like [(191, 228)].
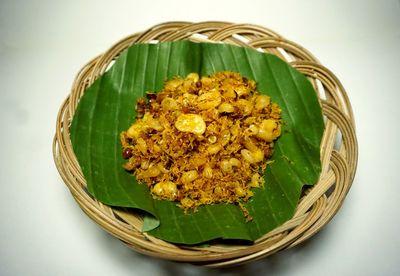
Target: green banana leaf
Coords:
[(108, 107)]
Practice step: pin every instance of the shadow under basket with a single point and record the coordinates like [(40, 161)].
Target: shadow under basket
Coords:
[(317, 205)]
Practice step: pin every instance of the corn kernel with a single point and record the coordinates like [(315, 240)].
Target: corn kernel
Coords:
[(191, 123), (141, 144), (225, 166), (213, 149), (258, 156), (225, 108), (240, 192), (170, 188), (234, 162), (252, 130), (255, 180), (242, 91), (189, 176), (252, 157), (169, 104), (193, 76), (173, 84), (206, 81), (262, 102), (161, 168), (152, 171), (209, 100), (229, 94), (145, 164), (247, 155), (187, 202), (225, 137), (269, 130), (167, 190), (135, 130), (249, 144), (157, 189), (207, 171), (245, 106), (197, 161)]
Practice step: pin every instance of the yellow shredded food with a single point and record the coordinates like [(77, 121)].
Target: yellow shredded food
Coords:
[(202, 140)]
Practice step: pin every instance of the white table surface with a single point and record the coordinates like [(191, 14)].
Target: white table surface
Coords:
[(44, 43)]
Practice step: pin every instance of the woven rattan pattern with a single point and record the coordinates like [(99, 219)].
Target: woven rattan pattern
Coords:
[(317, 205)]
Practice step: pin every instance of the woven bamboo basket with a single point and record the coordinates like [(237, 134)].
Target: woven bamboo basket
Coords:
[(317, 205)]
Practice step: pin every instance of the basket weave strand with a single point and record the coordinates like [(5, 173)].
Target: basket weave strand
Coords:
[(317, 205)]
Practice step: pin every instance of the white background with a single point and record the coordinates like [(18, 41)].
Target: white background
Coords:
[(43, 44)]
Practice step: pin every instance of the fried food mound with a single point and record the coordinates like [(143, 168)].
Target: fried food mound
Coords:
[(202, 141)]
